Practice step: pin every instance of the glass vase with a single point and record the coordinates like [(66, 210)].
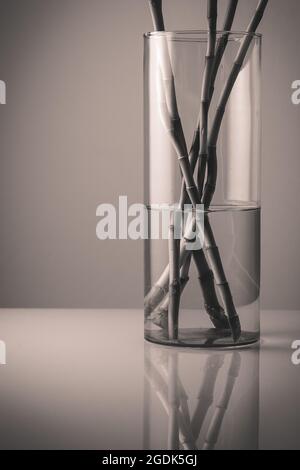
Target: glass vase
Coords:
[(206, 295)]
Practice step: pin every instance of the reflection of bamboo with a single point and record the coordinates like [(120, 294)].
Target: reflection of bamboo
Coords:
[(146, 416), (163, 375), (218, 417), (173, 401), (206, 393), (181, 390), (158, 384)]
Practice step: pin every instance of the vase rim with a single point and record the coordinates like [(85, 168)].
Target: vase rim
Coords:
[(198, 35)]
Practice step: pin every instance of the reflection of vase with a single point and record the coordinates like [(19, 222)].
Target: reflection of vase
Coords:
[(234, 214), (199, 400)]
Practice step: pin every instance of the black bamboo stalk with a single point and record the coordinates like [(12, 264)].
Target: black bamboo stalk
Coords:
[(211, 302), (220, 49), (193, 157), (160, 289), (219, 52), (184, 199), (223, 41), (157, 15), (212, 14), (213, 138), (174, 286), (173, 127), (215, 262)]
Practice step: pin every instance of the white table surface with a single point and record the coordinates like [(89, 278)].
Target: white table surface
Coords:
[(74, 379)]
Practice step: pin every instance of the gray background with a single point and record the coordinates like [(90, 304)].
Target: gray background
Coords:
[(71, 138)]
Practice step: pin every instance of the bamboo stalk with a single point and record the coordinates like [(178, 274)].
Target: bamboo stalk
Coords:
[(160, 289), (157, 15), (160, 316), (212, 306), (220, 49), (212, 14), (174, 287), (193, 157), (223, 41), (225, 95), (215, 261), (219, 52)]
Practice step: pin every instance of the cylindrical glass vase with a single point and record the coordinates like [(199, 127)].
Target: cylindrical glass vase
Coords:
[(203, 294)]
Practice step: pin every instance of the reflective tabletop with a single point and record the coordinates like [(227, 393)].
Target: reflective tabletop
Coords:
[(85, 379)]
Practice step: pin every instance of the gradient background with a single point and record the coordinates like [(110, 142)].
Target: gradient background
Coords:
[(71, 138)]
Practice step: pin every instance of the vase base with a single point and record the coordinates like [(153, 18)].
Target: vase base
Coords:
[(204, 338)]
